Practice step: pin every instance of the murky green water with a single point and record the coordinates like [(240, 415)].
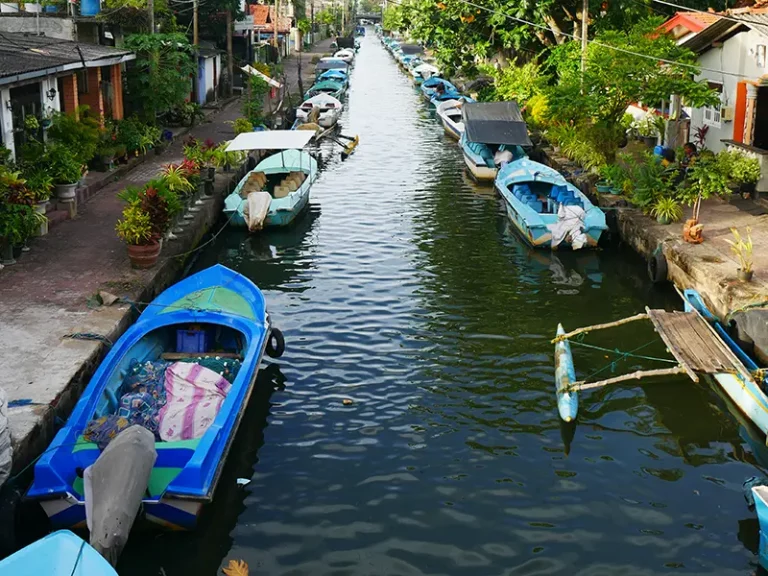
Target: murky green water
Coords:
[(404, 289)]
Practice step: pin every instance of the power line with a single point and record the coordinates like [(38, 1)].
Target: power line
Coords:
[(595, 42)]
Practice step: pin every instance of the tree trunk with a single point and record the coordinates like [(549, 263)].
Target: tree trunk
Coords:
[(298, 65), (230, 54), (555, 28)]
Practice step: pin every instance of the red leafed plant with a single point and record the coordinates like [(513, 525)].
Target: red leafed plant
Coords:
[(156, 207)]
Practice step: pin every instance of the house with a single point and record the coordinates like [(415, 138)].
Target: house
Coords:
[(40, 75), (208, 74), (78, 21), (263, 26), (731, 50)]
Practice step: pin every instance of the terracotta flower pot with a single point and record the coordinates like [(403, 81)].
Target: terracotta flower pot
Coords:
[(745, 275), (144, 256)]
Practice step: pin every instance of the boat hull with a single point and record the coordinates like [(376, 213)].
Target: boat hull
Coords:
[(284, 216), (565, 376), (481, 173), (57, 554)]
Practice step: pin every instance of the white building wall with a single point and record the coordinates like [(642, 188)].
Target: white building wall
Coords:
[(737, 55), (49, 106), (6, 121)]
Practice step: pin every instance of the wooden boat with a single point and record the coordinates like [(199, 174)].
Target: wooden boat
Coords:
[(282, 181), (227, 313), (429, 88), (489, 127), (329, 87), (697, 345), (329, 110), (61, 553), (423, 71), (326, 64), (565, 376), (449, 112), (346, 55), (336, 75), (547, 210)]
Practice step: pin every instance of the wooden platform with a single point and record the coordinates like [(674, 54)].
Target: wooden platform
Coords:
[(694, 343)]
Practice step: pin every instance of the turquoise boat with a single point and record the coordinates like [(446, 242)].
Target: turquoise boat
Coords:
[(208, 321), (58, 554), (333, 88), (336, 76), (283, 180), (429, 88), (547, 210)]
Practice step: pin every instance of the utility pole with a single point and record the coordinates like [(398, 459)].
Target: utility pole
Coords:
[(195, 38), (151, 15), (584, 20), (274, 26), (230, 53)]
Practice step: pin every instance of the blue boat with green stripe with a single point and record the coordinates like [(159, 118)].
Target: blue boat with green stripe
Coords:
[(216, 301)]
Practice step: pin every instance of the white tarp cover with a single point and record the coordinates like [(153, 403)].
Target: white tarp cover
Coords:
[(320, 100), (569, 225), (422, 68), (270, 140), (6, 452), (248, 69)]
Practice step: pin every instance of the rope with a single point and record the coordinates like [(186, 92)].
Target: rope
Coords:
[(77, 560), (623, 354), (761, 304), (89, 336), (612, 365)]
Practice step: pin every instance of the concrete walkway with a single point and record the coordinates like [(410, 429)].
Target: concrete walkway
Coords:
[(45, 296)]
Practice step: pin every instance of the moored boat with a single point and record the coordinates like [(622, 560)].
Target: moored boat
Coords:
[(346, 55), (491, 127), (547, 210), (336, 75), (449, 112), (194, 353), (326, 64), (424, 71), (328, 110), (277, 190), (332, 88), (61, 553), (434, 85)]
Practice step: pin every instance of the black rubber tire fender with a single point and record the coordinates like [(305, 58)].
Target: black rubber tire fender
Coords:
[(657, 267), (275, 343)]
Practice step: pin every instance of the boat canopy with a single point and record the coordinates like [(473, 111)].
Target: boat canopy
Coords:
[(331, 64), (427, 68), (248, 69), (495, 123), (270, 140), (335, 74), (410, 49), (289, 161)]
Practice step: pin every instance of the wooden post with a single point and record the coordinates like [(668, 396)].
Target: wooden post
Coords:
[(151, 15), (195, 38), (579, 386), (230, 54), (584, 20), (599, 327), (274, 24)]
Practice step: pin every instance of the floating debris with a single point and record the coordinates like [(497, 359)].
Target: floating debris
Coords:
[(346, 401), (236, 568), (243, 481)]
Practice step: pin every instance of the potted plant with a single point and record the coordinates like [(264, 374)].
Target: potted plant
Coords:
[(613, 177), (107, 156), (743, 250), (66, 170), (704, 179), (40, 183), (135, 229), (648, 130), (745, 173), (666, 210)]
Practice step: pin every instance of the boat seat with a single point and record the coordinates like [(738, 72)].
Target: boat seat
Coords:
[(520, 190), (254, 183), (537, 206), (281, 192), (291, 184)]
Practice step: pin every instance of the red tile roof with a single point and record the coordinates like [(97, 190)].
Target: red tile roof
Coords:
[(260, 14), (689, 22), (264, 16)]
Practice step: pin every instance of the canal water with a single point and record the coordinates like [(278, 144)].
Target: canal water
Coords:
[(404, 290)]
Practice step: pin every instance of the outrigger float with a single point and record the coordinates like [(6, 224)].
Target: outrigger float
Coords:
[(699, 345)]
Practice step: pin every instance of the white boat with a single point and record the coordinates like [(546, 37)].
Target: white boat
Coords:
[(277, 190), (345, 54), (424, 72), (329, 110), (449, 113)]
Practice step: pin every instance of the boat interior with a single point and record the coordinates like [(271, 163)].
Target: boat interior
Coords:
[(208, 342), (545, 198), (279, 185)]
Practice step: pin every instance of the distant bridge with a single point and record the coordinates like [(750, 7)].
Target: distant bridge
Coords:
[(372, 16)]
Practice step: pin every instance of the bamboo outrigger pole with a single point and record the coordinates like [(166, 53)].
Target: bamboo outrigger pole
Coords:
[(599, 327), (582, 385)]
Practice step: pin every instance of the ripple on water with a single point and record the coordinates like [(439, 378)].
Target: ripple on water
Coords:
[(405, 290)]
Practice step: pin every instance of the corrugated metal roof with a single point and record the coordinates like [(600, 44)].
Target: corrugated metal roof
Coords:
[(23, 54), (495, 123), (715, 31)]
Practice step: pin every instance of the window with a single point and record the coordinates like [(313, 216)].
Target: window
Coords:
[(712, 114), (82, 81)]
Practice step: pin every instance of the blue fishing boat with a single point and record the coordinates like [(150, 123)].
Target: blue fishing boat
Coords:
[(429, 88), (326, 64), (441, 97), (741, 386), (198, 347), (58, 554), (491, 127), (335, 75), (333, 88), (547, 210), (277, 190)]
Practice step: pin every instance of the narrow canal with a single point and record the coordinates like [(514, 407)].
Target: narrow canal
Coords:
[(404, 290)]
